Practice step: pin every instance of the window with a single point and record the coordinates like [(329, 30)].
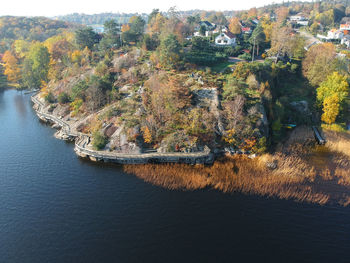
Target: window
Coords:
[(219, 41), (225, 41)]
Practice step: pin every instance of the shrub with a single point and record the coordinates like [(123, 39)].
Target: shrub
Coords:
[(50, 98), (245, 56), (63, 98), (99, 141)]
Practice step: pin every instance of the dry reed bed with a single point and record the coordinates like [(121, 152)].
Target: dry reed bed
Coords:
[(295, 178)]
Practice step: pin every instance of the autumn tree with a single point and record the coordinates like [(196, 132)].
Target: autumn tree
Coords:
[(218, 18), (147, 135), (335, 84), (319, 63), (330, 109), (267, 28), (235, 25), (21, 48), (281, 41), (156, 24), (12, 70), (252, 13), (282, 13)]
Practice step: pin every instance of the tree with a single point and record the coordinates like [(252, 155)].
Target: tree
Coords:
[(40, 56), (326, 18), (330, 109), (257, 38), (281, 41), (235, 26), (319, 63), (252, 13), (335, 84), (136, 29), (36, 66), (152, 15), (282, 13), (111, 36), (147, 135), (218, 18), (86, 37), (170, 51), (156, 25), (202, 30), (314, 27), (12, 70), (21, 48)]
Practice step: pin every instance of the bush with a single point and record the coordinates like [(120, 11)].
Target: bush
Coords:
[(63, 98), (50, 98), (99, 141), (245, 56)]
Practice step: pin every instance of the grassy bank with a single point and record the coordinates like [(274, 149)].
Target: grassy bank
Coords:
[(304, 172)]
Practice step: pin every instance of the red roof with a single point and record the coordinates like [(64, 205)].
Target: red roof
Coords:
[(246, 29)]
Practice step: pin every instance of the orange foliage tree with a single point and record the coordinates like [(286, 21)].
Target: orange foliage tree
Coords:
[(12, 70)]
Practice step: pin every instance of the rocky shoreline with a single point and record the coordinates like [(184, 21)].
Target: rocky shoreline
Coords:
[(81, 140)]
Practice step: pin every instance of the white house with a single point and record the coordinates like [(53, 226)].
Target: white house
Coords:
[(345, 27), (303, 22), (346, 41), (298, 17), (225, 39), (335, 34)]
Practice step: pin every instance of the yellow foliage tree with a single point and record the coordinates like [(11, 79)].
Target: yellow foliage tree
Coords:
[(76, 56), (147, 135), (229, 137), (125, 28), (330, 109), (12, 70), (235, 26)]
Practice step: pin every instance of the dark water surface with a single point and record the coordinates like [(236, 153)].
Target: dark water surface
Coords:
[(55, 207)]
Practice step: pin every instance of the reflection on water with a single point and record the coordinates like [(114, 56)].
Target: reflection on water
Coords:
[(2, 101), (21, 101)]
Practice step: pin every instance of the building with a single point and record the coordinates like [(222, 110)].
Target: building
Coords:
[(246, 30), (298, 17), (344, 27), (335, 34), (346, 41), (209, 26), (225, 39)]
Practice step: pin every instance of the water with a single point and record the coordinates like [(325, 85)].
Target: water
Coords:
[(55, 207)]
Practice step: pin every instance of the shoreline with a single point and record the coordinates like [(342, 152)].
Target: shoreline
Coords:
[(81, 139)]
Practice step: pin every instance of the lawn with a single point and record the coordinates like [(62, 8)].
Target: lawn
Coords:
[(221, 66)]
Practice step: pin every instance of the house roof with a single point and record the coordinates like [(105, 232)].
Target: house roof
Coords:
[(207, 23), (229, 34), (245, 29)]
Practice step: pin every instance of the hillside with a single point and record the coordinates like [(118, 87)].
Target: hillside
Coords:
[(29, 29)]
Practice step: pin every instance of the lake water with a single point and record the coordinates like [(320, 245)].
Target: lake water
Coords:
[(55, 207)]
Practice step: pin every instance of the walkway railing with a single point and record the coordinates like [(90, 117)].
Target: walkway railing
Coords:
[(81, 141)]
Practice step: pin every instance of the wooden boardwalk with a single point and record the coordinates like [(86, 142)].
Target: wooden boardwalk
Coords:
[(82, 149)]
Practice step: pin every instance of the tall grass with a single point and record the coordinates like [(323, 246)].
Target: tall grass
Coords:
[(297, 176), (338, 141)]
